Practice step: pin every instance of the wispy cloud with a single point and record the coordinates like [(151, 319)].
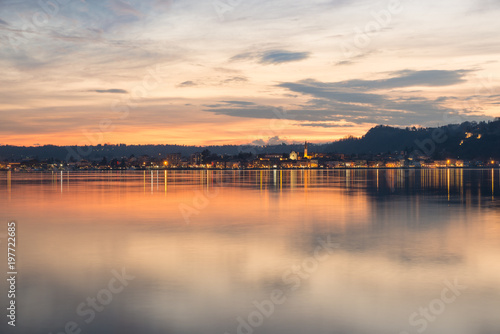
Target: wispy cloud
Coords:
[(211, 82), (399, 79), (187, 84), (241, 103), (235, 79), (273, 57), (110, 91), (328, 125), (353, 60), (282, 56), (344, 103)]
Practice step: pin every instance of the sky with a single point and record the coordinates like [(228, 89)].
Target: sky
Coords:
[(214, 72)]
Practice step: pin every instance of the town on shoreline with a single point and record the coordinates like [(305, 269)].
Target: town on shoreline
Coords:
[(248, 160)]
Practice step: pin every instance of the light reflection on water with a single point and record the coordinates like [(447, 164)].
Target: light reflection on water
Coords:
[(204, 246)]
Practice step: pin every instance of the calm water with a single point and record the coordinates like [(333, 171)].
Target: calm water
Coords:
[(337, 252)]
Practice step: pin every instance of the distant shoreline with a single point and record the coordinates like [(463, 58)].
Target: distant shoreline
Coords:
[(249, 169)]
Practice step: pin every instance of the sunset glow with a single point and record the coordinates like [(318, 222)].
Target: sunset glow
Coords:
[(190, 72)]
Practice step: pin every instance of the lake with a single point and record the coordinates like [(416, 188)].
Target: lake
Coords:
[(274, 251)]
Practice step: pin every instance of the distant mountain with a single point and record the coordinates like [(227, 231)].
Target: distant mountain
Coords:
[(469, 140)]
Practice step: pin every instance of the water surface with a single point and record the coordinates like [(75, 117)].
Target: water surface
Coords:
[(208, 251)]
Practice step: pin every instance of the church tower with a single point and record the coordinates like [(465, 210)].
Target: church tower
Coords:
[(305, 151)]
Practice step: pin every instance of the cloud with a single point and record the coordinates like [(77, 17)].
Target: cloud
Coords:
[(331, 91), (344, 62), (246, 109), (244, 56), (273, 57), (212, 82), (3, 22), (322, 112), (235, 79), (187, 84), (328, 125), (332, 104), (111, 91), (276, 140), (281, 56), (407, 78), (243, 103), (351, 61), (399, 79), (258, 142)]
